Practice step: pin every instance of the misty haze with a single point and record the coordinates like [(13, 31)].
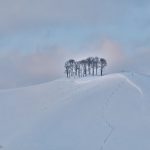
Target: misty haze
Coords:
[(74, 75)]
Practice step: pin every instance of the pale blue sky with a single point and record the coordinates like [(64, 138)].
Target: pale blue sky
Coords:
[(27, 25), (31, 30)]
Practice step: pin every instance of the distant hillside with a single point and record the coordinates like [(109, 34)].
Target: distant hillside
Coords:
[(93, 113)]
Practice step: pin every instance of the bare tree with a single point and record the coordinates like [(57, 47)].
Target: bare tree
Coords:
[(89, 64), (76, 69), (103, 64), (72, 66), (78, 66), (67, 69), (93, 66), (96, 63), (84, 67)]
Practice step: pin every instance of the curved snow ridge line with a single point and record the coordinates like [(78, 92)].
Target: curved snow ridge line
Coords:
[(133, 85)]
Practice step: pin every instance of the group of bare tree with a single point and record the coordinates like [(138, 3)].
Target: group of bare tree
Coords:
[(90, 66)]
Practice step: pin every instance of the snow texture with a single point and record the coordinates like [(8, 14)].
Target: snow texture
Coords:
[(94, 113)]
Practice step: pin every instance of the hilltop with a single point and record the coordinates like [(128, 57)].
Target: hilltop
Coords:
[(94, 113)]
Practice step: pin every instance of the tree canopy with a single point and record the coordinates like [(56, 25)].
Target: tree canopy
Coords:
[(89, 66)]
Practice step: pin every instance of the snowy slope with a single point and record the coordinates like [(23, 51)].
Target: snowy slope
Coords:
[(95, 113)]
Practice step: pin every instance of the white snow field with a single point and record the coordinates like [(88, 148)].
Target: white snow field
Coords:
[(94, 113)]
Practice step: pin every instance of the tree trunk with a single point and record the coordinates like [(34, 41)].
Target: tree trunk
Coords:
[(89, 70), (101, 72), (93, 71), (96, 70)]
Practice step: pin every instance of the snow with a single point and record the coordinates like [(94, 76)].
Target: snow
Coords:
[(94, 113), (134, 85)]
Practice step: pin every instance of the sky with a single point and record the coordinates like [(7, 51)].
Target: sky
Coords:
[(38, 36)]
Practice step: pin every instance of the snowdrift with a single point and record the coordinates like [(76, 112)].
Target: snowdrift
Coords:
[(94, 113)]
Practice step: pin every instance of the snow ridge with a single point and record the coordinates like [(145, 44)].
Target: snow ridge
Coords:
[(133, 84), (100, 113)]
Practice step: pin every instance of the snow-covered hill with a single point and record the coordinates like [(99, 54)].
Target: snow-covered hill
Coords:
[(95, 113)]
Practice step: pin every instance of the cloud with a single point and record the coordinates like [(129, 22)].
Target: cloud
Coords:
[(121, 20), (113, 52), (118, 59), (139, 62), (18, 69), (18, 14), (110, 50)]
